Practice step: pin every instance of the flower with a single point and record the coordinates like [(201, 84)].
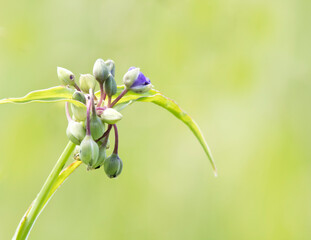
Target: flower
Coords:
[(136, 81)]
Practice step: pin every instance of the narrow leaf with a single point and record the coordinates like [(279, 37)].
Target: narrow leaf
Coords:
[(54, 94), (159, 99), (62, 177)]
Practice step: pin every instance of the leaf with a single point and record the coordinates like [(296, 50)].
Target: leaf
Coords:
[(62, 177), (159, 99), (54, 94)]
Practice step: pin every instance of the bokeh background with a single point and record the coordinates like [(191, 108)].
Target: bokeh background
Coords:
[(240, 68)]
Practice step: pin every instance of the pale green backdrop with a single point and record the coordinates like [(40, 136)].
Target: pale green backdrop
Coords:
[(241, 68)]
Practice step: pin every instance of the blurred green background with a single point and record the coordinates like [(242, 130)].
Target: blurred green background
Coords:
[(240, 68)]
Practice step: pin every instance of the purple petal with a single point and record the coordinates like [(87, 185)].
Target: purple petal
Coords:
[(141, 80)]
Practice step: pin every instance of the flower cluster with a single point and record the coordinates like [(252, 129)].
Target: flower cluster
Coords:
[(89, 128)]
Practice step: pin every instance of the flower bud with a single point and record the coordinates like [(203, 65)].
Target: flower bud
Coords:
[(111, 116), (75, 132), (110, 86), (78, 112), (101, 157), (89, 151), (111, 66), (130, 77), (97, 127), (113, 165), (100, 70), (87, 82), (136, 81), (65, 76)]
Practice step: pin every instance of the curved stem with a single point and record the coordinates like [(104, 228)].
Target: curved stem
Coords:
[(37, 205), (77, 87), (116, 137), (67, 112), (109, 101), (106, 133), (101, 85), (119, 97)]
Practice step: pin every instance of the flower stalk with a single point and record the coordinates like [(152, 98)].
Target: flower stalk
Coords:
[(119, 97), (116, 137)]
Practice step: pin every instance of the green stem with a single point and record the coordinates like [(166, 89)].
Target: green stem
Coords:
[(37, 205)]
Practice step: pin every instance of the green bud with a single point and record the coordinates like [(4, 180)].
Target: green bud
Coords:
[(78, 112), (75, 132), (111, 66), (65, 76), (79, 96), (130, 77), (111, 116), (100, 70), (97, 127), (101, 157), (89, 151), (113, 165), (87, 82), (110, 86)]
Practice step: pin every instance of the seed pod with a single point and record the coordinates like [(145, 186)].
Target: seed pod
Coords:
[(78, 112), (97, 127), (65, 76), (111, 116), (110, 86), (111, 66), (101, 157), (87, 82), (113, 165), (100, 71), (89, 151), (75, 132)]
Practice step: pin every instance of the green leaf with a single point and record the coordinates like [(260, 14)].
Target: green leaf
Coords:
[(159, 99), (54, 94), (62, 177)]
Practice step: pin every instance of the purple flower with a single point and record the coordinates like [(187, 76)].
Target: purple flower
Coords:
[(136, 81), (141, 80)]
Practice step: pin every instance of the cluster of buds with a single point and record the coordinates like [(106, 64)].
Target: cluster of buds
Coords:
[(89, 128)]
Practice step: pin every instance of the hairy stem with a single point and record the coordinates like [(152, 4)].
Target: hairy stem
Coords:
[(37, 205)]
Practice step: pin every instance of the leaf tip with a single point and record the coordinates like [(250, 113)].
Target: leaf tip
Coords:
[(215, 172)]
